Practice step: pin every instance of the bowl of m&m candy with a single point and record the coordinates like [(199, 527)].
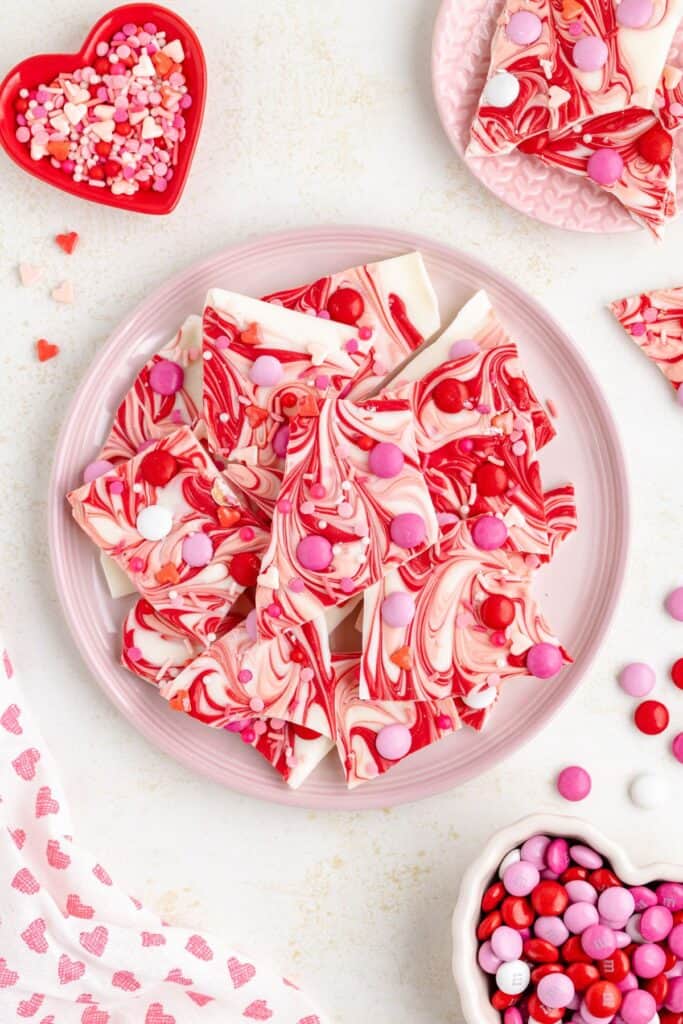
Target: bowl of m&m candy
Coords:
[(555, 924)]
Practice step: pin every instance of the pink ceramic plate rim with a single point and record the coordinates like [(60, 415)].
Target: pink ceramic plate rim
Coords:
[(460, 59), (418, 777)]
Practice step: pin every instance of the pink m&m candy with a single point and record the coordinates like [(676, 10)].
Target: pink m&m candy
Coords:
[(96, 469), (677, 747), (580, 916), (648, 960), (386, 460), (489, 533), (557, 855), (166, 377), (552, 930), (524, 28), (487, 959), (397, 609), (634, 13), (598, 941), (674, 604), (574, 783), (638, 1007), (464, 347), (674, 995), (280, 441), (616, 905), (637, 679), (521, 878), (314, 553), (676, 940), (605, 166), (393, 742), (197, 549), (408, 529), (670, 894), (556, 991), (544, 660), (506, 944), (656, 923), (266, 371), (534, 849), (590, 53)]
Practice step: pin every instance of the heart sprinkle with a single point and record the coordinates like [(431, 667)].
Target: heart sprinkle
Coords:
[(45, 350), (117, 123)]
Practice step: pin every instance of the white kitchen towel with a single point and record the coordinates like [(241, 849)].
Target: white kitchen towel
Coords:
[(76, 949)]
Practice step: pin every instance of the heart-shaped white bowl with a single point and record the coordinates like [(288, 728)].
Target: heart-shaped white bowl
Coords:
[(472, 983)]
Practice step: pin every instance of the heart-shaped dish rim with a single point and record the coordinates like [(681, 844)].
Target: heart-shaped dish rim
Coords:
[(470, 980), (42, 67)]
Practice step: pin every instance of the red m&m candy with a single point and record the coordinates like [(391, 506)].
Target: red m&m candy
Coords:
[(497, 612), (655, 145), (517, 912), (677, 673), (651, 717), (490, 479), (541, 952), (245, 567), (543, 1014), (346, 306), (583, 975), (158, 467), (493, 897), (450, 395), (603, 999), (549, 899)]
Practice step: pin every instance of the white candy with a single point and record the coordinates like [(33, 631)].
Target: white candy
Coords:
[(480, 699), (649, 791), (154, 522), (175, 51), (150, 129), (502, 90), (632, 928), (513, 977), (510, 858)]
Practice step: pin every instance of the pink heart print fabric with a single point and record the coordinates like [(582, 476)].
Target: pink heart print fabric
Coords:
[(75, 948)]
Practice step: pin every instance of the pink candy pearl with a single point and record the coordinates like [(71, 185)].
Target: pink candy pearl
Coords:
[(574, 783), (524, 28), (634, 14), (166, 377), (386, 460), (489, 533), (393, 742), (397, 609), (521, 878), (605, 166), (266, 371), (590, 53), (96, 469), (314, 553), (544, 660), (197, 550), (408, 530)]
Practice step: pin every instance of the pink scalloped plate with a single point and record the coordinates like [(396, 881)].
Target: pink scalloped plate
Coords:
[(586, 451), (460, 60)]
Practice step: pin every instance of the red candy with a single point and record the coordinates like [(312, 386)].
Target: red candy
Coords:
[(517, 912), (497, 612), (541, 972), (574, 875), (658, 988), (493, 897), (158, 467), (616, 967), (677, 673), (245, 568), (549, 899), (541, 952), (572, 952), (491, 480), (603, 879), (655, 144), (651, 717), (488, 926), (583, 975), (501, 1001), (450, 395), (603, 999), (346, 306)]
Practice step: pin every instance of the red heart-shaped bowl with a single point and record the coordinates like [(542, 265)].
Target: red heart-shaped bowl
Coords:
[(42, 68)]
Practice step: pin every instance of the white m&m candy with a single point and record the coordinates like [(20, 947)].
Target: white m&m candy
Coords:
[(154, 522), (513, 977), (502, 90), (649, 791)]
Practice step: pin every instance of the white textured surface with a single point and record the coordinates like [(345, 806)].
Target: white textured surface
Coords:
[(318, 113)]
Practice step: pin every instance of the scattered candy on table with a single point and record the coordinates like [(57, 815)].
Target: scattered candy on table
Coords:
[(562, 938), (117, 123), (574, 783), (68, 241), (29, 274), (45, 350), (674, 604), (64, 293), (637, 679)]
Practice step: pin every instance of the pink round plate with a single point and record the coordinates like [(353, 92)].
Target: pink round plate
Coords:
[(586, 451), (460, 61)]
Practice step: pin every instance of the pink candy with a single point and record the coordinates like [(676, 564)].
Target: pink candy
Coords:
[(574, 783), (314, 553), (386, 460), (408, 530), (605, 166), (166, 377), (544, 660)]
